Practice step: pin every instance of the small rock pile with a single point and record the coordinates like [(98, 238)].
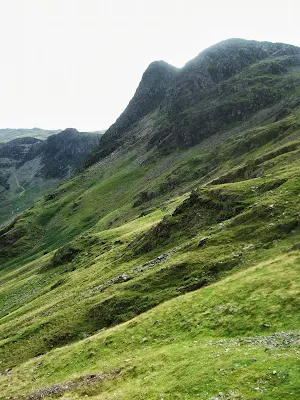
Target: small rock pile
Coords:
[(278, 339), (126, 276)]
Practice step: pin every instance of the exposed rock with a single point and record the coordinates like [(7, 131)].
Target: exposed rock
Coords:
[(148, 96), (232, 395), (202, 242), (32, 164), (248, 247), (126, 276), (206, 95), (277, 339), (59, 389)]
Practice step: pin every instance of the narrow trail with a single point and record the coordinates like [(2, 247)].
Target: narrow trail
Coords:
[(18, 183)]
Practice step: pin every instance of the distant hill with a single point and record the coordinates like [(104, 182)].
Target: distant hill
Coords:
[(100, 132), (30, 167), (9, 134)]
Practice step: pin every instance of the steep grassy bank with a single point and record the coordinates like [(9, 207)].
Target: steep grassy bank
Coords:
[(191, 347)]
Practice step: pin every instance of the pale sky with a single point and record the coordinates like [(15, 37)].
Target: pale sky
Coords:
[(77, 63)]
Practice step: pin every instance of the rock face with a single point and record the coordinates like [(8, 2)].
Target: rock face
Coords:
[(61, 154), (17, 149), (29, 166), (149, 95), (201, 76), (224, 85)]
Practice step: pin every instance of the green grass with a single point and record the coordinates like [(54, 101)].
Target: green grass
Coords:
[(14, 205), (42, 297), (94, 281), (173, 351)]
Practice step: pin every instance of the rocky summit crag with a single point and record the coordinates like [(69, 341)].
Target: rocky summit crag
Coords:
[(223, 86), (168, 266)]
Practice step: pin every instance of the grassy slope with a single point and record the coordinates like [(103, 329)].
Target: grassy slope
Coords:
[(38, 299), (173, 351), (18, 201), (244, 278)]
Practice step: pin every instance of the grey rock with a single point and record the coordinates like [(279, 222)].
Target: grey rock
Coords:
[(202, 242)]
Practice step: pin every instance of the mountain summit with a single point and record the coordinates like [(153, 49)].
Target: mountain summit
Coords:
[(149, 95), (225, 84)]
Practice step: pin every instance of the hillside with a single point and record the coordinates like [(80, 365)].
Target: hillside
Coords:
[(31, 168), (168, 268)]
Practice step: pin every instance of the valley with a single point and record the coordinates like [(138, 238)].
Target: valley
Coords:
[(31, 168)]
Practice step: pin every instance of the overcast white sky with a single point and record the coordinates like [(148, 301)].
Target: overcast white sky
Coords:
[(77, 63)]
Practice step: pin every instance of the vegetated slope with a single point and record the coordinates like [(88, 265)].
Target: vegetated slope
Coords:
[(218, 342), (139, 230), (8, 134), (31, 168)]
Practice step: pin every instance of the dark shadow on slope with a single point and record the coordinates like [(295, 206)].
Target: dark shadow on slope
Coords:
[(201, 210)]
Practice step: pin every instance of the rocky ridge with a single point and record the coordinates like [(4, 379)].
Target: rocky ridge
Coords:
[(225, 84)]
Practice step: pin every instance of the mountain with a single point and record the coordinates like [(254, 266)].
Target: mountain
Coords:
[(148, 96), (168, 266), (8, 134), (31, 168), (223, 86)]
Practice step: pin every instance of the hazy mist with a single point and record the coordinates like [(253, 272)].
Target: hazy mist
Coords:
[(78, 62)]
